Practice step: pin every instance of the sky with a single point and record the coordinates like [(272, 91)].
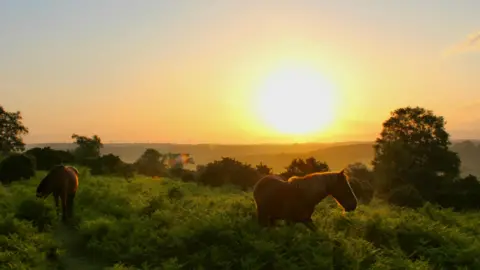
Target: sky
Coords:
[(190, 71)]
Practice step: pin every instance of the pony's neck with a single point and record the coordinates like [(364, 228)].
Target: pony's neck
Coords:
[(322, 190), (329, 185)]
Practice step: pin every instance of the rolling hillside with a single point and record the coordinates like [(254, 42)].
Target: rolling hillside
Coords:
[(277, 156)]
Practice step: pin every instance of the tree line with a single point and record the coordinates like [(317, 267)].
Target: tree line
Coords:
[(412, 163)]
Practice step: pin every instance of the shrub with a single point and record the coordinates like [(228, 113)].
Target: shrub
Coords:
[(46, 157), (406, 196), (16, 167), (300, 167), (188, 175), (36, 211), (363, 190), (229, 171), (106, 164), (361, 180), (149, 164), (461, 194), (263, 169)]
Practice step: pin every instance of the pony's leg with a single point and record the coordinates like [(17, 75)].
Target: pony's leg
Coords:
[(70, 200), (55, 197), (271, 221), (262, 217), (63, 198)]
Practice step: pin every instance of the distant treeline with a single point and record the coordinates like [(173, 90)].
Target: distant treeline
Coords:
[(413, 163)]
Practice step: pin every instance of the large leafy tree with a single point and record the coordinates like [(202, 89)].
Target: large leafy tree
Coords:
[(151, 163), (413, 149), (11, 131), (87, 148)]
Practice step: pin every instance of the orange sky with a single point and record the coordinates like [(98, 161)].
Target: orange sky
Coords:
[(191, 73)]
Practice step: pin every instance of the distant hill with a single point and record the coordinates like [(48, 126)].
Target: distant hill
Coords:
[(337, 156), (203, 153), (277, 156)]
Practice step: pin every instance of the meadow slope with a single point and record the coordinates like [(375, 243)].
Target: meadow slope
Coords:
[(167, 224)]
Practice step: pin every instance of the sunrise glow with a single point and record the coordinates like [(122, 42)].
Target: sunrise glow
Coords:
[(296, 101)]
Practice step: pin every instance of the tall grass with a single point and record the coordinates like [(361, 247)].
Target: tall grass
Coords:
[(167, 224)]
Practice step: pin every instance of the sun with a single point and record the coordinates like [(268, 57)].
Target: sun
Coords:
[(296, 101)]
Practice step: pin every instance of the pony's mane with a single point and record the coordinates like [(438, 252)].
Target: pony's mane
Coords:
[(74, 169), (312, 175)]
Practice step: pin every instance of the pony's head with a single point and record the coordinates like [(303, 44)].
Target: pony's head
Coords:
[(341, 190), (46, 185)]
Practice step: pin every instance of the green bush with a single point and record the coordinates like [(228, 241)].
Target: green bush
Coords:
[(16, 167), (46, 158), (38, 212), (228, 171), (406, 196), (170, 224)]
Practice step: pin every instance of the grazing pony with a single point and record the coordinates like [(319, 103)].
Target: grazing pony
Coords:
[(62, 181), (295, 200)]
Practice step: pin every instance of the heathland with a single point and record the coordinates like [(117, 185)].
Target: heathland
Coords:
[(168, 224), (418, 202)]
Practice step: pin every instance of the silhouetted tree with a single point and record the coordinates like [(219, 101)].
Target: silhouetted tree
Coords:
[(300, 167), (11, 131), (461, 194), (46, 157), (16, 167), (150, 164), (106, 164), (413, 150), (263, 169), (229, 171), (361, 180), (127, 171), (87, 148)]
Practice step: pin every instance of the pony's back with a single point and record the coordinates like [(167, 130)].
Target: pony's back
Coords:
[(74, 170), (314, 185)]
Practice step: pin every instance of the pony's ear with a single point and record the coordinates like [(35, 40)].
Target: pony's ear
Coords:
[(342, 171)]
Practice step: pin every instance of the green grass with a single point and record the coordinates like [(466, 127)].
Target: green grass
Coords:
[(166, 224)]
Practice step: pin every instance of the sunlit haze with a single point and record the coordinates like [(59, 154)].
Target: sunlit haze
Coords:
[(236, 71)]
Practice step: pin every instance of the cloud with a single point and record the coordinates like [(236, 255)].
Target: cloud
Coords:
[(470, 44)]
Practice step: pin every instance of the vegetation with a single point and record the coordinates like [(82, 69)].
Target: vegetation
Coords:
[(16, 167), (11, 131), (413, 163), (300, 167), (167, 224), (170, 217), (87, 148), (47, 157)]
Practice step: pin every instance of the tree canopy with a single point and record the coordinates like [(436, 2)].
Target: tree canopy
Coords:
[(300, 167), (11, 131), (88, 148), (413, 148)]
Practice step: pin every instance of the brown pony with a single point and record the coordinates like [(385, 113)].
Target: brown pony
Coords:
[(277, 199), (317, 186), (295, 200), (62, 181)]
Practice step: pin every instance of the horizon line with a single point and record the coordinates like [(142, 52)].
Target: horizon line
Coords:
[(240, 144)]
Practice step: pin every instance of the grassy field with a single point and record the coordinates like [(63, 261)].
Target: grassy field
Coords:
[(166, 224)]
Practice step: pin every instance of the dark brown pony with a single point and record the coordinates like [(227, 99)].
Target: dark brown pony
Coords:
[(295, 199), (62, 181)]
